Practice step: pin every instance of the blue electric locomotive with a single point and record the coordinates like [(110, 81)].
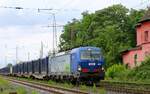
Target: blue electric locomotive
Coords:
[(83, 63), (88, 63)]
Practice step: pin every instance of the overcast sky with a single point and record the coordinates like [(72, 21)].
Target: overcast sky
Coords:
[(26, 28)]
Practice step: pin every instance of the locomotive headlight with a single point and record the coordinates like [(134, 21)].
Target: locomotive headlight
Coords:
[(103, 68), (79, 68)]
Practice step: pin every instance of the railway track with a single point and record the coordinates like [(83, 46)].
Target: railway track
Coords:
[(125, 87), (44, 87)]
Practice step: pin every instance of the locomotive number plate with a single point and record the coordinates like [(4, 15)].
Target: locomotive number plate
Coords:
[(91, 64)]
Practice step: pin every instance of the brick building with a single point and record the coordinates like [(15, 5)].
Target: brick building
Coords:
[(135, 56)]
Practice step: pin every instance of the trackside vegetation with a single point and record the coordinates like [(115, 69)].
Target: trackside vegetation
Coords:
[(141, 73), (8, 88), (138, 74), (117, 71)]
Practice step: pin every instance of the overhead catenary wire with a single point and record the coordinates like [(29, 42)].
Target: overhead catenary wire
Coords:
[(39, 9), (21, 8)]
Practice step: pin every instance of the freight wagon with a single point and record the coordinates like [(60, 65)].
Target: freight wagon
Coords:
[(6, 71)]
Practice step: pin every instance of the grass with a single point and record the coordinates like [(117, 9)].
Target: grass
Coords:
[(102, 91), (21, 90), (93, 90), (34, 92), (83, 87), (6, 88)]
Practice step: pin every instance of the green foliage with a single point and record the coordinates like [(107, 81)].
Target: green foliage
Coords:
[(142, 72), (102, 91), (94, 88), (67, 85), (51, 82), (138, 74), (34, 92), (6, 87), (21, 90), (111, 28), (116, 71), (3, 82)]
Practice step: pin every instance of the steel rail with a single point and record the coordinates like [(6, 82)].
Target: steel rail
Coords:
[(45, 87)]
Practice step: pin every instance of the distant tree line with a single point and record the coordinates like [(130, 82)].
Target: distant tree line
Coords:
[(111, 28)]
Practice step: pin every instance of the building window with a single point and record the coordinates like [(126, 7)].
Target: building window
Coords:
[(135, 59), (146, 35)]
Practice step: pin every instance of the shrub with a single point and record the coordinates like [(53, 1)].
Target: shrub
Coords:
[(141, 72), (116, 71)]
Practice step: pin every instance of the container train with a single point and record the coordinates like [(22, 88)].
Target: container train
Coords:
[(78, 64)]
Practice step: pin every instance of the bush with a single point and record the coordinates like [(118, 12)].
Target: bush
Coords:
[(116, 71), (120, 72), (141, 72)]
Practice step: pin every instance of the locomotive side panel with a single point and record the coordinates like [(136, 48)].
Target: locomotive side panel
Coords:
[(60, 65)]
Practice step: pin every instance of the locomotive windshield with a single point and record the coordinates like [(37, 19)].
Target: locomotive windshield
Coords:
[(90, 55)]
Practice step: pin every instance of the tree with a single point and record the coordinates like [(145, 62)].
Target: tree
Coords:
[(112, 29)]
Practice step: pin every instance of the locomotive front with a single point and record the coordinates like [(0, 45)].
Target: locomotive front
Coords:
[(90, 63)]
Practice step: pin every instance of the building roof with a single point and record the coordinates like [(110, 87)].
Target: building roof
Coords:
[(131, 49), (146, 17)]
